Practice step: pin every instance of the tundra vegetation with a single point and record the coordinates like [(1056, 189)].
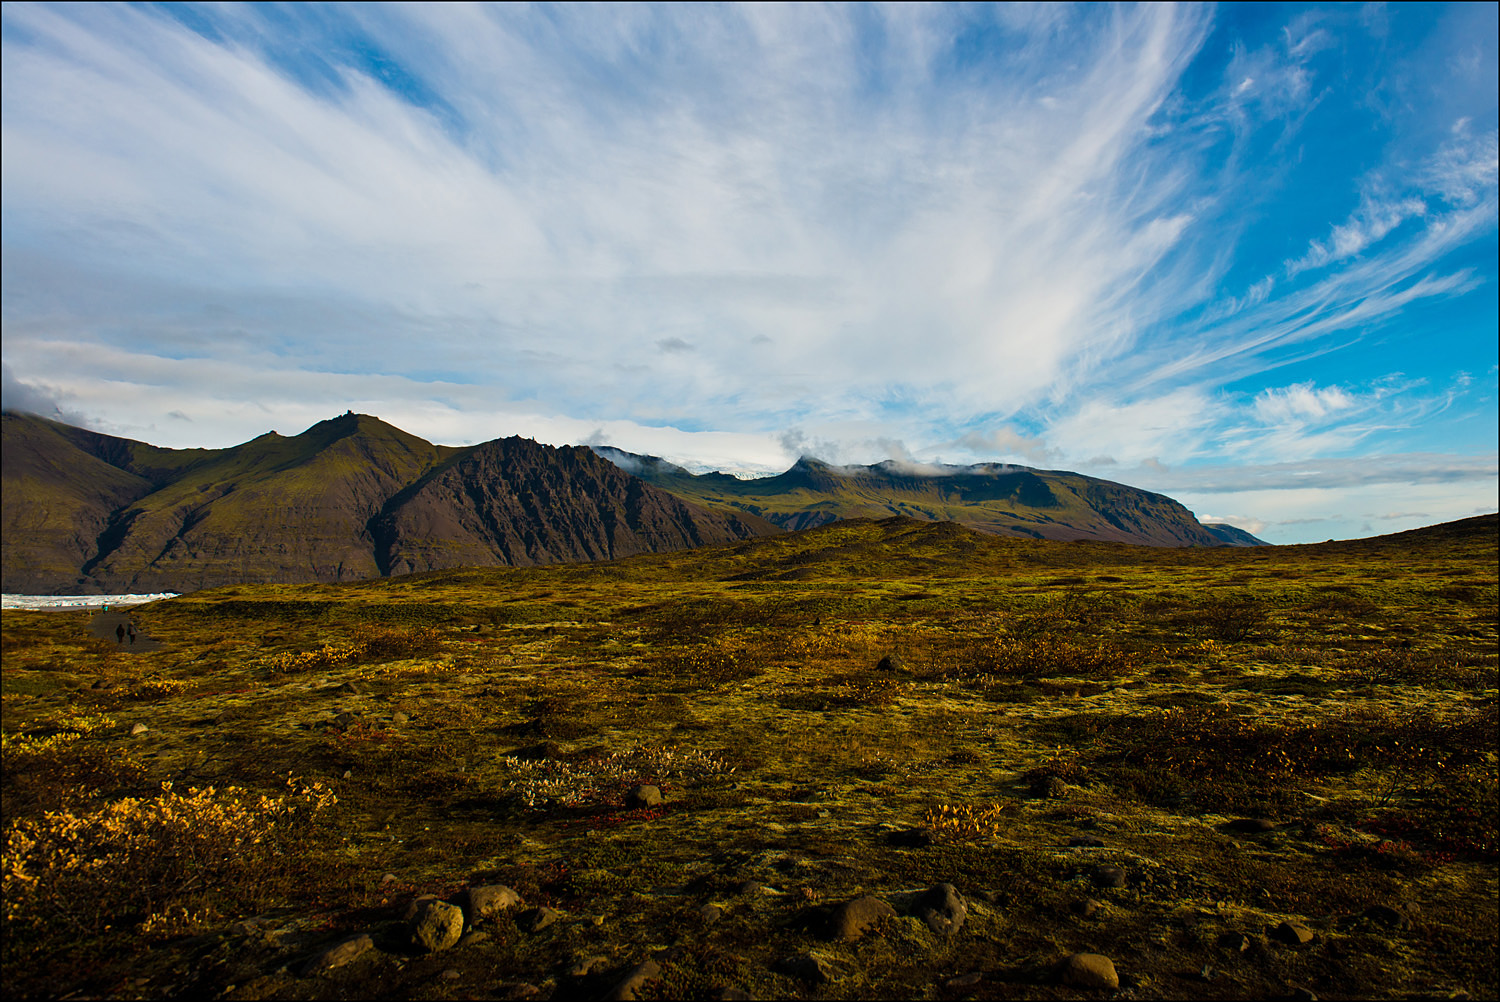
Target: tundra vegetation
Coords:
[(1236, 773)]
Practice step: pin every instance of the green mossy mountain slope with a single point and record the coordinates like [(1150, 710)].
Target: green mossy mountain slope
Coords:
[(88, 512)]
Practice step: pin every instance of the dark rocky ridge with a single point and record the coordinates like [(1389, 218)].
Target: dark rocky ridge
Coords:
[(512, 502), (349, 499)]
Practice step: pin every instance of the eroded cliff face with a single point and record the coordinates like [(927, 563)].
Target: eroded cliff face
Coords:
[(514, 502), (87, 512)]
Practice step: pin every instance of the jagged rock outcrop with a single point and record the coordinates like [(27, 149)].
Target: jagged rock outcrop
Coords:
[(514, 502)]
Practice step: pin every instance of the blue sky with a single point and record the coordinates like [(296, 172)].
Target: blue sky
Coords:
[(1245, 256)]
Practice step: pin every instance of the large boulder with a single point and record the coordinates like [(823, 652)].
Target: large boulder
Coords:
[(437, 925)]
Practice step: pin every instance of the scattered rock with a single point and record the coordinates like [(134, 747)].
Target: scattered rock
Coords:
[(909, 838), (340, 954), (891, 662), (518, 990), (643, 796), (942, 908), (1386, 916), (352, 688), (346, 719), (1292, 934), (389, 878), (451, 974), (537, 919), (437, 925), (709, 914), (808, 967), (1049, 787), (1251, 826), (750, 888), (471, 937), (964, 981), (1086, 907), (1085, 842), (584, 966), (1236, 942), (852, 919), (138, 730), (625, 989), (1089, 970), (399, 718), (491, 899), (1106, 875)]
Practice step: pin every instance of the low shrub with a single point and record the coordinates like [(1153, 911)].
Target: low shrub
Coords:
[(159, 863)]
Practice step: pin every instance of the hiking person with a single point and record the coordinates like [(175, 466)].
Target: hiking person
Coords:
[(120, 634), (130, 631)]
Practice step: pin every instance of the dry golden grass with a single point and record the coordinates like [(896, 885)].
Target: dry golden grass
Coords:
[(484, 726)]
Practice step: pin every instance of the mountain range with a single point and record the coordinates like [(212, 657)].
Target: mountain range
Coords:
[(354, 498), (996, 498)]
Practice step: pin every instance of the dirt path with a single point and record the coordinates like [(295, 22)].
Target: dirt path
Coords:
[(105, 624)]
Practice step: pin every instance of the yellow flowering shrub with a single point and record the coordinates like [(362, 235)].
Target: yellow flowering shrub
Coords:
[(171, 857)]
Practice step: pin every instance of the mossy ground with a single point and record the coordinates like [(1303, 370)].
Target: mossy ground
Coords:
[(1346, 692)]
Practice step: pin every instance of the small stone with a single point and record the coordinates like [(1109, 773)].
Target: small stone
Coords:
[(1251, 826), (643, 796), (389, 878), (340, 954), (750, 888), (1292, 934), (891, 662), (1086, 908), (1050, 787), (1386, 916), (518, 990), (1236, 942), (138, 730), (491, 899), (709, 914), (1107, 876), (635, 979), (471, 937), (942, 908), (451, 974), (852, 919), (346, 719), (537, 919), (585, 966), (964, 981), (1085, 842), (1090, 970), (437, 925), (808, 967), (399, 718), (909, 838)]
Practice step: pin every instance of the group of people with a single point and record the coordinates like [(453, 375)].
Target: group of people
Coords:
[(126, 629)]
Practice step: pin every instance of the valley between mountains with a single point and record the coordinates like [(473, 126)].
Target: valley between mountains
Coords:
[(354, 498)]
